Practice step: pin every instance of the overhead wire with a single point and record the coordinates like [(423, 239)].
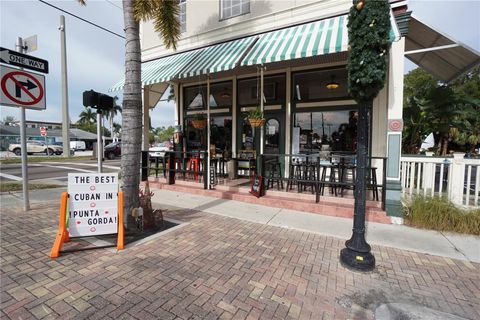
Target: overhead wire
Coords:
[(82, 19), (115, 5)]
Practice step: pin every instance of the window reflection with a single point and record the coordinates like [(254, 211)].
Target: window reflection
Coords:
[(220, 96), (327, 131)]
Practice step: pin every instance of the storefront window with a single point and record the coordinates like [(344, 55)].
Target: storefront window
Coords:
[(320, 85), (220, 96), (247, 142), (327, 131), (220, 134), (273, 87)]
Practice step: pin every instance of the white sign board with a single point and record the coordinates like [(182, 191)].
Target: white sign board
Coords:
[(20, 88), (92, 204)]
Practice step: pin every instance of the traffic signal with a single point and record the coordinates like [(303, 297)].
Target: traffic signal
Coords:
[(97, 100)]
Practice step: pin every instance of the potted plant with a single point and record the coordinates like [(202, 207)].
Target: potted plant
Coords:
[(199, 121), (255, 117)]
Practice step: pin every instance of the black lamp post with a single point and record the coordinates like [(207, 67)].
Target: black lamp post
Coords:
[(368, 34), (357, 253)]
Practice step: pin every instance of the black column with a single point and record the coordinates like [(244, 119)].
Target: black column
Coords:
[(357, 254)]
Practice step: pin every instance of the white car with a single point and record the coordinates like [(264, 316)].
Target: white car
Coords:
[(159, 149), (34, 146)]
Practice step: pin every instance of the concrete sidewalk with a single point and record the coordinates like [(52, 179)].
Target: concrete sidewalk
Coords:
[(457, 246)]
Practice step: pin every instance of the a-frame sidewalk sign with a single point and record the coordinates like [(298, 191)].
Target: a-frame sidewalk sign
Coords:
[(92, 206)]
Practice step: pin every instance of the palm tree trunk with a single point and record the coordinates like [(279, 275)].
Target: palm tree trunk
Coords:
[(132, 114)]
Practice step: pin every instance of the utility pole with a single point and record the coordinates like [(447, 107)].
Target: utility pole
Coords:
[(65, 115), (23, 142)]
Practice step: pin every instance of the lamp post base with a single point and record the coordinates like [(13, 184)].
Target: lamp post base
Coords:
[(358, 261)]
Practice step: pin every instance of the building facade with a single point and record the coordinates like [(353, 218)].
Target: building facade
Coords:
[(295, 52)]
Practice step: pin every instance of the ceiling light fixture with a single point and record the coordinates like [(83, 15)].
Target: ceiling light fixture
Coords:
[(332, 84), (225, 94)]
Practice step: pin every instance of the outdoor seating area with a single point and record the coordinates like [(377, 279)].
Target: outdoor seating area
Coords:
[(319, 175)]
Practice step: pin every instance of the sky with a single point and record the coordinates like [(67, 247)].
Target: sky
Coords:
[(95, 58)]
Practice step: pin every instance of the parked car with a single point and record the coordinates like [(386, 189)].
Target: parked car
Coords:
[(78, 145), (34, 146), (159, 150), (72, 151), (112, 150)]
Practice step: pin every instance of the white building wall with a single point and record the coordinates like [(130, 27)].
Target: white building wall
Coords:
[(204, 27)]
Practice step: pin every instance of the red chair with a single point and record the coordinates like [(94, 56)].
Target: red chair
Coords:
[(194, 165)]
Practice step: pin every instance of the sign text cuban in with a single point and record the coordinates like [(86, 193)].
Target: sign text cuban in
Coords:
[(93, 204)]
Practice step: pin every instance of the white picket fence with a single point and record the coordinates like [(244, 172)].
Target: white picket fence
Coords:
[(454, 177)]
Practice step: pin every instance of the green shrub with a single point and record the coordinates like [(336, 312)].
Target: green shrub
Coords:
[(440, 214)]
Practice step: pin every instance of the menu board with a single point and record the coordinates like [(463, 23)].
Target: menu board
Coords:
[(257, 186)]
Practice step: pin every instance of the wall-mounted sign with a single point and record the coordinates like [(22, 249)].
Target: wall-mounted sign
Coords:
[(395, 125), (93, 204)]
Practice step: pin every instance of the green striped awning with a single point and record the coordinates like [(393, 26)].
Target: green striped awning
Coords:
[(221, 57), (302, 41), (163, 69)]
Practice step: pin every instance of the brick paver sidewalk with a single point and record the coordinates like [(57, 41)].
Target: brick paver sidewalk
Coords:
[(217, 267)]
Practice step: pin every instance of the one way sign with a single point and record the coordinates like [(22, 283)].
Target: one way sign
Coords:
[(22, 60), (19, 88)]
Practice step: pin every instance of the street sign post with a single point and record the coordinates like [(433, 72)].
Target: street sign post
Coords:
[(19, 88), (23, 61)]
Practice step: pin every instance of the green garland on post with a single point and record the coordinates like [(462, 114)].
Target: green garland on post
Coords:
[(368, 34)]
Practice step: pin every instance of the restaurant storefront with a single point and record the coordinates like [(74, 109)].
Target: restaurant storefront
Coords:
[(297, 77)]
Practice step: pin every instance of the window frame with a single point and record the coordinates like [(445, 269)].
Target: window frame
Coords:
[(220, 10), (182, 3)]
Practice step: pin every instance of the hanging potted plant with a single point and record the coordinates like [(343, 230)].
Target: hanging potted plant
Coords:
[(200, 121), (255, 117)]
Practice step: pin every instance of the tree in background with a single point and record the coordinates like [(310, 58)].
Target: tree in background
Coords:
[(9, 121), (450, 111), (87, 121), (112, 112), (87, 116)]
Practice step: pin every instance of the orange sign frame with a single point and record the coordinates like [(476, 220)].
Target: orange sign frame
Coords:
[(63, 236)]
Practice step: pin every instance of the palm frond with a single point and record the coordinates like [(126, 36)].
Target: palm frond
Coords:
[(165, 22), (144, 9)]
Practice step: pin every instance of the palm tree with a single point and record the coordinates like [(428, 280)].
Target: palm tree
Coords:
[(87, 116), (112, 112), (164, 14)]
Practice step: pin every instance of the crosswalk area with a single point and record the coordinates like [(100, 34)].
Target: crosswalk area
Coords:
[(53, 171)]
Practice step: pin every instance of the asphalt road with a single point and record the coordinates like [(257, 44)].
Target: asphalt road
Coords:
[(54, 171)]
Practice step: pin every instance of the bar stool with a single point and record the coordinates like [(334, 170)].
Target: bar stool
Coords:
[(194, 165), (372, 182), (294, 174), (347, 165), (274, 175)]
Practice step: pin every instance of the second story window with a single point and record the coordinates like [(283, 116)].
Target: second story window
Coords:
[(182, 16), (233, 8)]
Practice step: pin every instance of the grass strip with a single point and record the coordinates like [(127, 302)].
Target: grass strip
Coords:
[(440, 214), (17, 186), (42, 159)]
